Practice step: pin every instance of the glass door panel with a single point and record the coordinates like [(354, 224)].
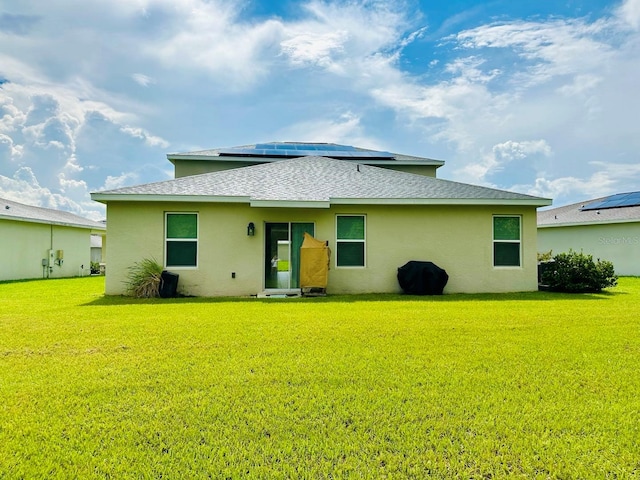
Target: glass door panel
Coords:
[(282, 253)]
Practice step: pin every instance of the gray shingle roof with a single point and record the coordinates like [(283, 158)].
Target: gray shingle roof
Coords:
[(572, 215), (317, 179), (11, 210)]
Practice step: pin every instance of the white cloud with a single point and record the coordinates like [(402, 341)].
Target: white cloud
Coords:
[(24, 188), (141, 133), (315, 48), (142, 80), (629, 12), (11, 151), (346, 129), (210, 36), (502, 154), (608, 178), (126, 179)]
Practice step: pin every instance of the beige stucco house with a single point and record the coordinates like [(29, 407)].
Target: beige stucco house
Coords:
[(38, 242), (607, 228), (224, 220)]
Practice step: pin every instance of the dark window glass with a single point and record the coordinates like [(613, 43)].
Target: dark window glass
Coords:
[(182, 254), (506, 254), (350, 254)]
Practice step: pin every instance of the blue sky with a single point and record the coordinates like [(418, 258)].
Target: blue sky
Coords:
[(535, 97)]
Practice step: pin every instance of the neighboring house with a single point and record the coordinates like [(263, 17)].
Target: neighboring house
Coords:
[(607, 228), (221, 230), (40, 242)]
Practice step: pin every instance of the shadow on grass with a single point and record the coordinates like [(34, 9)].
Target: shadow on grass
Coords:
[(539, 296)]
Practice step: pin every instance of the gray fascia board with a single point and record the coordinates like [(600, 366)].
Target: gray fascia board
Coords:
[(417, 163), (585, 224), (104, 198), (223, 158), (441, 201), (52, 222), (290, 204)]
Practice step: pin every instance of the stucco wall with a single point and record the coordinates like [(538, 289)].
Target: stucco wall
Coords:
[(185, 168), (23, 245), (458, 239), (619, 243)]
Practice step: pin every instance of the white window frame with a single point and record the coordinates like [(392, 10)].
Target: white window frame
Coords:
[(196, 240), (348, 240), (494, 241)]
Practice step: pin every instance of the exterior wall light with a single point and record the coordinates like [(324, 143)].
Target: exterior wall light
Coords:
[(251, 229)]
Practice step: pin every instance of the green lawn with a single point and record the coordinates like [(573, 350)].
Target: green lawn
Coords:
[(531, 385)]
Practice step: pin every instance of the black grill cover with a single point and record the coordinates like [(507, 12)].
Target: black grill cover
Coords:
[(422, 278)]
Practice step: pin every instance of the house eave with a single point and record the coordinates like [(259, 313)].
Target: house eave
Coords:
[(300, 203), (441, 201), (581, 224), (53, 222), (290, 203), (133, 197)]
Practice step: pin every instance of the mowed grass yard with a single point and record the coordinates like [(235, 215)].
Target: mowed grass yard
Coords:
[(531, 385)]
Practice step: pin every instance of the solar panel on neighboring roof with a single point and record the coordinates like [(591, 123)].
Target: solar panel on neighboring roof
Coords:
[(292, 150), (618, 200)]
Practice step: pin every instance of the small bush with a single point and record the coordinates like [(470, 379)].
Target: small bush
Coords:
[(143, 279), (577, 272), (95, 268)]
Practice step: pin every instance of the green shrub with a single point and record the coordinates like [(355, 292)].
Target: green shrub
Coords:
[(577, 272), (95, 268), (143, 279)]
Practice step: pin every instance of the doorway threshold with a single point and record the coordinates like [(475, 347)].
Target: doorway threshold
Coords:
[(280, 293)]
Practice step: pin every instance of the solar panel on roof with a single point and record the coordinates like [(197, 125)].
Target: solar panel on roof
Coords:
[(292, 150), (618, 200)]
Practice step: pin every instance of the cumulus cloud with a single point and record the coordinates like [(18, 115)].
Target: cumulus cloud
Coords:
[(315, 48), (211, 36), (629, 12), (523, 153), (124, 180), (24, 188), (345, 129), (39, 148)]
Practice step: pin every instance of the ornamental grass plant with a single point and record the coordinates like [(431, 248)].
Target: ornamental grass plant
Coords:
[(144, 278), (525, 385)]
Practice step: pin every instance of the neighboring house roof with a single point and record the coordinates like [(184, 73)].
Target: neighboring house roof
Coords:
[(11, 210), (581, 213), (316, 182), (272, 151)]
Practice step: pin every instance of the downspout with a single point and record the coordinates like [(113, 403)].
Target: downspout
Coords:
[(50, 269)]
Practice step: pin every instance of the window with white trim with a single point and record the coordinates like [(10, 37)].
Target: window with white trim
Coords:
[(181, 239), (350, 240), (507, 244)]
